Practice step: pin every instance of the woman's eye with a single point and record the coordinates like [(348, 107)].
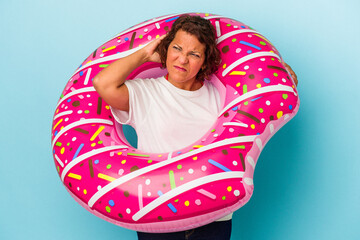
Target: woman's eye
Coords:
[(175, 47), (195, 55)]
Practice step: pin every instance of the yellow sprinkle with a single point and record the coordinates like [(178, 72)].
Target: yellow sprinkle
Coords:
[(206, 14), (57, 110), (224, 66), (258, 85), (108, 49), (263, 38), (61, 128), (107, 107), (194, 158), (252, 126), (119, 153), (197, 146), (57, 123), (238, 84), (97, 133), (238, 73), (123, 161), (73, 175), (159, 155), (106, 177), (85, 191), (93, 144), (88, 62), (279, 114), (229, 188), (157, 36), (62, 150), (187, 203)]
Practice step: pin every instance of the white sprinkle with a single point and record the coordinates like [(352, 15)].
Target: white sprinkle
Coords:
[(128, 211), (191, 171), (268, 102), (90, 104), (282, 104), (66, 119), (246, 67), (73, 139), (149, 194), (237, 193), (235, 163), (262, 59), (79, 112), (147, 182), (238, 50), (263, 120), (101, 55), (88, 95), (203, 168), (99, 188), (260, 69)]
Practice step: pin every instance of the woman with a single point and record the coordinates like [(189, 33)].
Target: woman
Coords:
[(170, 112)]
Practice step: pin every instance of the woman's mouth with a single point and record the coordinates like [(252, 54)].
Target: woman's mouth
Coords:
[(180, 69)]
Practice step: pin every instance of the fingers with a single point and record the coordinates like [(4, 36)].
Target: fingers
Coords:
[(292, 73)]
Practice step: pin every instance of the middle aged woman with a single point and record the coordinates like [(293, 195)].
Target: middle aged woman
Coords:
[(172, 111)]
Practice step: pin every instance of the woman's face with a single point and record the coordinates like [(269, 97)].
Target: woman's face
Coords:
[(185, 57)]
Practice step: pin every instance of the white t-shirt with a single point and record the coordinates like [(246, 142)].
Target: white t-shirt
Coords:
[(167, 118)]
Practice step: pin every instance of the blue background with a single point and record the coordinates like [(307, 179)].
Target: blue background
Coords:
[(308, 176)]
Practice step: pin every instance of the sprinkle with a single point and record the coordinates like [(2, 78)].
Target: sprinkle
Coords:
[(138, 155), (78, 150), (97, 133), (277, 68), (103, 65), (58, 144), (91, 168), (240, 147), (132, 40), (108, 209), (197, 146), (171, 19), (172, 179), (106, 177), (57, 123), (245, 89), (249, 115), (170, 205), (279, 114), (250, 45), (141, 204), (237, 73), (81, 130), (75, 176), (254, 99), (216, 164), (99, 103), (187, 203), (108, 49), (207, 194)]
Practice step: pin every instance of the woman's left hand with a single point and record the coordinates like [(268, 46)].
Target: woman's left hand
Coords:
[(293, 75)]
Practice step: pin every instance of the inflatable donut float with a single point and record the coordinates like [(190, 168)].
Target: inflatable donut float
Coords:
[(190, 187)]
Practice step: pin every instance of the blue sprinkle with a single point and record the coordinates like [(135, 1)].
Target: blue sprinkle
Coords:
[(78, 150), (69, 100), (235, 108), (216, 164), (249, 51), (290, 107), (267, 80), (250, 45), (169, 20), (160, 193), (126, 39), (54, 151), (254, 99), (172, 208), (56, 132), (258, 134), (243, 26), (96, 161), (111, 203), (81, 73), (178, 152)]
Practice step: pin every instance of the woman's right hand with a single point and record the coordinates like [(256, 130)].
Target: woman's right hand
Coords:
[(150, 50)]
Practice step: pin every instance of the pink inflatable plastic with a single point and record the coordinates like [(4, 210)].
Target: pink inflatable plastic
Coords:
[(174, 191)]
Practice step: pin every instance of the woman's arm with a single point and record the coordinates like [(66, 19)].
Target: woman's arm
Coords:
[(109, 83)]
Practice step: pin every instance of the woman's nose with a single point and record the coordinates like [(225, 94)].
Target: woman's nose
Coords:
[(183, 58)]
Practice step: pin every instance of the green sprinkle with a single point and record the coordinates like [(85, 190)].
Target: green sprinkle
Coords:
[(181, 178), (246, 103), (108, 166), (140, 36), (100, 142), (62, 95), (233, 40), (149, 161), (108, 209), (86, 111), (138, 155), (223, 198), (176, 200), (228, 25), (213, 130), (103, 65), (241, 147), (245, 89), (263, 43), (58, 144), (179, 166), (275, 74), (261, 110), (68, 144)]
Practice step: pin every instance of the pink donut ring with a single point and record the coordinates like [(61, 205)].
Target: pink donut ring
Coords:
[(175, 191)]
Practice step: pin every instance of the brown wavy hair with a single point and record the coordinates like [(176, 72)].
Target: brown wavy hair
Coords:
[(205, 32)]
